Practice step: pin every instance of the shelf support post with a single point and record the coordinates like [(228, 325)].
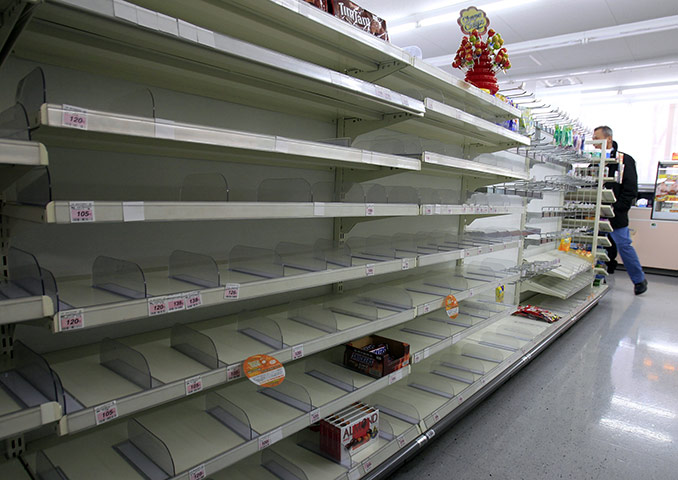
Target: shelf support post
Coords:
[(354, 127), (383, 70)]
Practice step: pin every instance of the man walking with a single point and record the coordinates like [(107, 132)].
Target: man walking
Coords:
[(625, 188)]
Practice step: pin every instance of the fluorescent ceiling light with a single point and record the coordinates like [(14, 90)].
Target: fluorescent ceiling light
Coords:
[(450, 17), (405, 27), (504, 5)]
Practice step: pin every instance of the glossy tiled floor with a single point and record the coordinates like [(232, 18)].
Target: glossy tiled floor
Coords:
[(599, 403)]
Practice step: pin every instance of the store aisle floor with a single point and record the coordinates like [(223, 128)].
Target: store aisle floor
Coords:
[(599, 403)]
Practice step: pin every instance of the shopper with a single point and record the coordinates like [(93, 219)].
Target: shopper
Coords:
[(625, 188)]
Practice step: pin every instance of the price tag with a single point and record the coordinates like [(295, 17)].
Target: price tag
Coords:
[(438, 209), (406, 264), (369, 269), (467, 253), (449, 210), (383, 93), (81, 211), (193, 385), (430, 434), (480, 250), (368, 465), (491, 248), (314, 416), (428, 209), (470, 293), (232, 290), (270, 439), (175, 303), (436, 417), (157, 306), (133, 212), (198, 473), (297, 352), (425, 308), (71, 320), (401, 441), (461, 399), (192, 300), (234, 372), (319, 209), (418, 357), (369, 210), (106, 412), (74, 117), (395, 376)]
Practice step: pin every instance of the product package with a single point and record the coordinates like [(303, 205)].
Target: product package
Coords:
[(361, 18), (536, 313), (376, 356), (321, 4), (348, 431)]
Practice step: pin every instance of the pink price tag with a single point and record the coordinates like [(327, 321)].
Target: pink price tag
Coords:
[(428, 209), (436, 417), (405, 264), (193, 300), (418, 357), (156, 306), (174, 304), (234, 372), (232, 291), (467, 253), (427, 308), (369, 270), (74, 117), (430, 434), (71, 320), (81, 212), (369, 210), (367, 465), (297, 352), (193, 385), (198, 473), (401, 441), (314, 416), (106, 412)]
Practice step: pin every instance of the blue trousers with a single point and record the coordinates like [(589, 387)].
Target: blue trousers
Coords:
[(622, 239)]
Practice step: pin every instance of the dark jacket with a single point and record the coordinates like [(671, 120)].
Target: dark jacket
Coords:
[(625, 192)]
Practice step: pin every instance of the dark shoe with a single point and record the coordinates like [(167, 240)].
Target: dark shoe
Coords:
[(640, 287), (611, 266)]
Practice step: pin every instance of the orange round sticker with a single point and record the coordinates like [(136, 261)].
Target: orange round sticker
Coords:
[(264, 370), (451, 306)]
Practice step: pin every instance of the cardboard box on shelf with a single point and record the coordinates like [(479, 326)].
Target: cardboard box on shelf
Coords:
[(361, 18), (386, 357)]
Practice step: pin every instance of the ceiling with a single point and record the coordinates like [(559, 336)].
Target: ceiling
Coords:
[(559, 46)]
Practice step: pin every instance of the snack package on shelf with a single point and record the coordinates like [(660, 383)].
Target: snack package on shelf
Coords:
[(321, 4), (361, 18), (376, 356), (348, 431), (536, 313)]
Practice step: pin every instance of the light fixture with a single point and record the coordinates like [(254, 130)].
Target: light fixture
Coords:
[(405, 27), (450, 17)]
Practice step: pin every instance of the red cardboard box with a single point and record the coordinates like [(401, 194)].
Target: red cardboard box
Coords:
[(321, 4), (347, 432), (376, 365), (361, 18)]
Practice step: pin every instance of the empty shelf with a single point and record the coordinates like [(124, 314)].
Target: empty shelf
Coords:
[(301, 30), (19, 309), (104, 38), (18, 157), (603, 225), (437, 163), (590, 195), (557, 287)]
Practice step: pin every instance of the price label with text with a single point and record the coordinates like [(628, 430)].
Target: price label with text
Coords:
[(270, 439), (369, 270), (418, 357), (157, 306), (314, 416), (428, 209), (175, 303), (192, 300), (71, 320), (449, 210), (430, 434), (198, 473), (426, 308), (395, 376), (401, 441), (406, 264), (193, 385), (74, 117), (297, 352), (368, 465), (234, 372), (81, 212), (232, 290), (106, 412), (369, 210), (436, 417)]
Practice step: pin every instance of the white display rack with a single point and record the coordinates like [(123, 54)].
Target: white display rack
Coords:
[(603, 225), (601, 241), (590, 195), (17, 157), (115, 211), (464, 373), (95, 307), (452, 125), (299, 29), (15, 420), (445, 164), (570, 264), (114, 131), (15, 310), (106, 36), (287, 334), (558, 287)]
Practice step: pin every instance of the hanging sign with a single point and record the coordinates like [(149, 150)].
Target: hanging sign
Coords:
[(471, 19)]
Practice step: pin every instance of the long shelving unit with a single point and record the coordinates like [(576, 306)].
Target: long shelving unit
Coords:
[(156, 302)]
